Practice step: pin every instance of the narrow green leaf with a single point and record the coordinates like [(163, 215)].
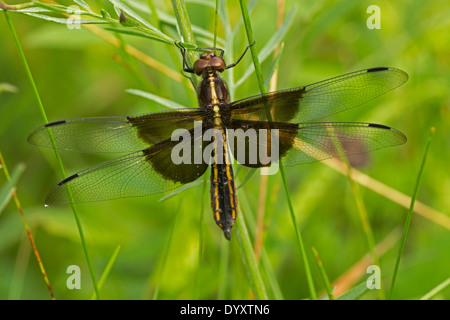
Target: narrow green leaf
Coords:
[(105, 273), (165, 254), (9, 187), (129, 12), (6, 87), (185, 30), (201, 35), (58, 158), (250, 262), (262, 89), (32, 10), (67, 20), (83, 4), (105, 14), (147, 95), (146, 34), (355, 292), (270, 45), (436, 290), (250, 173), (274, 66), (53, 7), (411, 208), (323, 274), (267, 272), (182, 189)]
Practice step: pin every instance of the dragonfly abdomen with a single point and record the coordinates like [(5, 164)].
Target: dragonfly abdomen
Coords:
[(223, 191)]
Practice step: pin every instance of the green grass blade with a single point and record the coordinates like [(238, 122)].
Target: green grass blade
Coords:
[(274, 66), (201, 236), (65, 21), (11, 181), (363, 216), (185, 29), (7, 87), (216, 18), (163, 258), (147, 95), (105, 273), (250, 173), (309, 279), (84, 5), (267, 272), (270, 46), (436, 290), (262, 89), (250, 262), (355, 292), (182, 189), (61, 167), (411, 208), (323, 273), (154, 12), (365, 224), (184, 23), (140, 33), (131, 13), (223, 271), (6, 192), (251, 39)]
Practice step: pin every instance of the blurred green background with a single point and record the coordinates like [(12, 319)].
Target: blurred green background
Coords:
[(79, 74)]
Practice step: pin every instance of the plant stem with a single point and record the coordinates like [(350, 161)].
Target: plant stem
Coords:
[(61, 167), (259, 77), (411, 209), (28, 231)]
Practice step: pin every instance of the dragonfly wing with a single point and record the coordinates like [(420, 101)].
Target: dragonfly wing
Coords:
[(319, 141), (308, 142), (115, 134), (140, 173), (320, 99)]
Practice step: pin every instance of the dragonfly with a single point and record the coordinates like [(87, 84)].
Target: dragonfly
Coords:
[(294, 118)]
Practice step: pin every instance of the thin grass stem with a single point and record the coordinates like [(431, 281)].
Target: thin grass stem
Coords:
[(323, 273), (201, 236), (362, 212), (28, 231), (60, 164), (256, 281), (411, 209), (165, 254), (436, 290), (108, 268), (260, 80)]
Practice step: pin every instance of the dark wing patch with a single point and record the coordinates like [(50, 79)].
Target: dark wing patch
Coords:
[(310, 142), (324, 140), (320, 99), (115, 134), (136, 174)]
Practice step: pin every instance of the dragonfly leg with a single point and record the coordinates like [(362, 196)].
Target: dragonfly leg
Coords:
[(234, 64)]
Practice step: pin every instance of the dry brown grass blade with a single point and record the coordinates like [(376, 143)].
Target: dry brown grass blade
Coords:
[(153, 63), (28, 231), (390, 193), (347, 280), (264, 177)]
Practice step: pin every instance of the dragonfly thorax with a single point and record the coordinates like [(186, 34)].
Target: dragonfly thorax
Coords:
[(213, 91)]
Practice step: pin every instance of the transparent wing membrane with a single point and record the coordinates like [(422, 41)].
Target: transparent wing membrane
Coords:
[(137, 174), (320, 99), (115, 134)]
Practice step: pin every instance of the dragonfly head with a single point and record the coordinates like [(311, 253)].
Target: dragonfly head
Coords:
[(209, 62)]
